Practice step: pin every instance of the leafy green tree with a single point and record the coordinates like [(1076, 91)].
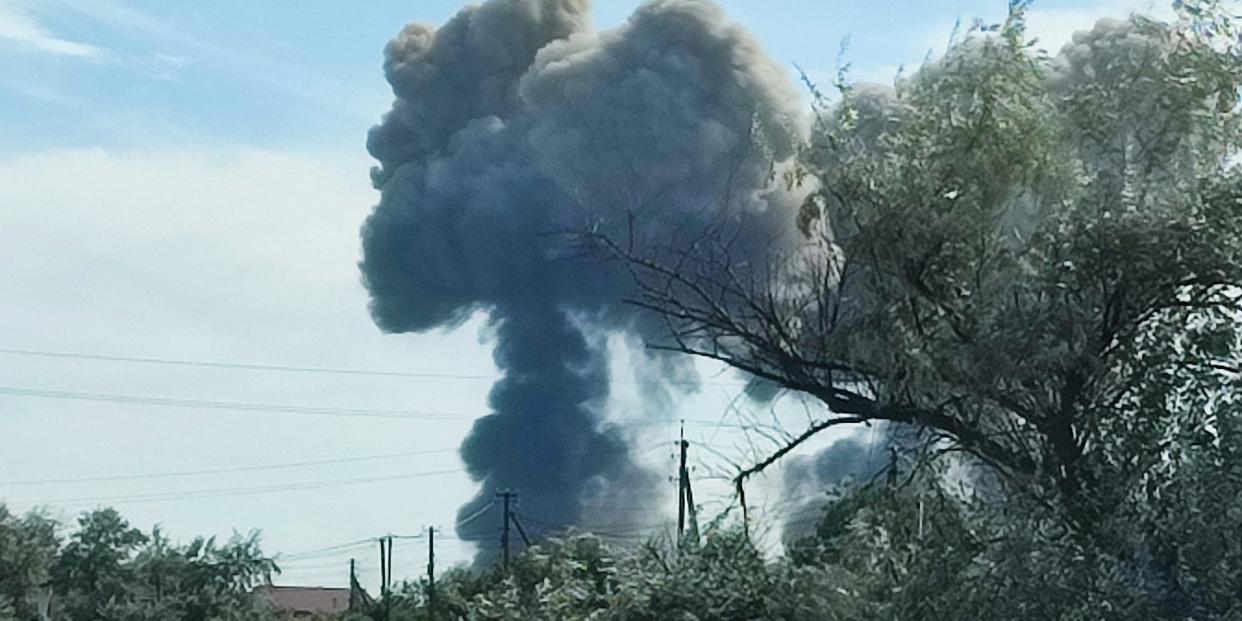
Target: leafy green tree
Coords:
[(28, 546), (580, 577), (1037, 261), (200, 581), (93, 571), (1030, 257), (111, 571)]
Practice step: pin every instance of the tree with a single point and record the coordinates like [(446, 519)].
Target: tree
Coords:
[(581, 577), (93, 570), (114, 572), (1034, 258), (28, 547), (200, 581)]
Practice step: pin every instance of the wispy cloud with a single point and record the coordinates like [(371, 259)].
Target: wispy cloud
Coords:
[(20, 29), (44, 93), (256, 67)]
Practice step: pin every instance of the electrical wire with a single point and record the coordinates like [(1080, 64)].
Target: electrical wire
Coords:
[(242, 491), (284, 408), (476, 515), (231, 469), (229, 405), (13, 351), (329, 549), (251, 366)]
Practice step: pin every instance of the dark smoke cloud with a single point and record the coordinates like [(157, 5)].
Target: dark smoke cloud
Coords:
[(515, 120)]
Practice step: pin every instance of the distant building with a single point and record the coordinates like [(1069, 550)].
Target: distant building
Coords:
[(299, 602)]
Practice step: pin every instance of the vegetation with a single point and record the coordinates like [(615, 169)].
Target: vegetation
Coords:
[(908, 551), (1033, 260), (110, 571)]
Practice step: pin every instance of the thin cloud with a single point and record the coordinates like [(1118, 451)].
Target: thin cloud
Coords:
[(45, 94), (21, 30), (289, 78)]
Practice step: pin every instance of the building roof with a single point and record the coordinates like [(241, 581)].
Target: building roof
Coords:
[(307, 599)]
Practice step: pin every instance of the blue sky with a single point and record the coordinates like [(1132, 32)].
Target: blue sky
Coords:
[(306, 74), (185, 180)]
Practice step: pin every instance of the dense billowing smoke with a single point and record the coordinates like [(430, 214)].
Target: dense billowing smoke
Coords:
[(516, 121), (809, 480)]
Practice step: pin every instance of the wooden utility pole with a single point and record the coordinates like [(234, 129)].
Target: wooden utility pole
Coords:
[(388, 600), (685, 493), (431, 571), (681, 485), (358, 599), (504, 533), (741, 497), (385, 547), (383, 568), (690, 508)]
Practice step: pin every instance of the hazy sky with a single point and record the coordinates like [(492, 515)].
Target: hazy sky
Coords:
[(185, 181)]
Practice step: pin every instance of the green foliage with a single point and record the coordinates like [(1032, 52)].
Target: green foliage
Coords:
[(28, 545), (198, 581), (1035, 261), (92, 571), (581, 577), (1035, 257), (111, 571)]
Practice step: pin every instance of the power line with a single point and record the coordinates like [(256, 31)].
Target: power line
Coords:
[(329, 549), (284, 408), (317, 565), (238, 365), (476, 515), (252, 366), (229, 405), (188, 473), (243, 491)]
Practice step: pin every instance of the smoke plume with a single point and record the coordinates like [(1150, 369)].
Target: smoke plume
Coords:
[(516, 120), (808, 480)]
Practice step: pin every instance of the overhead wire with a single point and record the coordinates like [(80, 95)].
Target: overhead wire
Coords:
[(284, 408), (13, 351), (329, 549), (476, 515), (226, 470), (241, 491), (229, 405), (252, 366)]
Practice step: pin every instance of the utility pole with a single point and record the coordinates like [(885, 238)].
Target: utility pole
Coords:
[(690, 508), (504, 533), (357, 596), (385, 547), (383, 568), (388, 600), (431, 571), (681, 484), (685, 493), (741, 497)]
